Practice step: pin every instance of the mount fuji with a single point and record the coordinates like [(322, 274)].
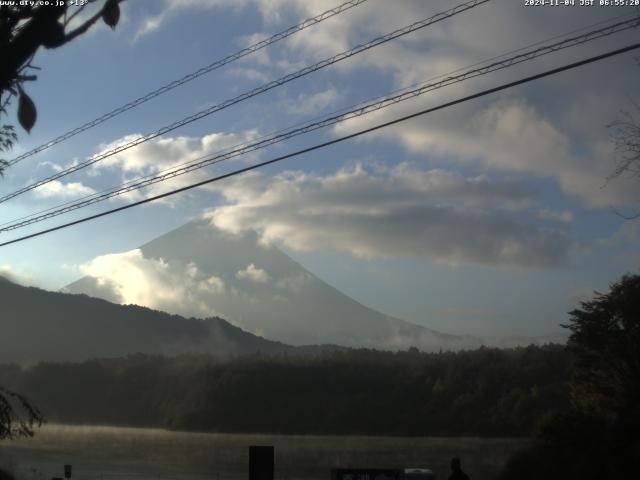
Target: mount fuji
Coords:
[(197, 270)]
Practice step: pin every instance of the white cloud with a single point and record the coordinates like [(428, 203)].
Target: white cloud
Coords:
[(552, 140), (213, 284), (166, 152), (52, 165), (294, 283), (400, 212), (305, 104), (270, 10), (154, 283), (59, 189), (173, 7), (14, 276), (252, 74), (253, 274), (149, 25), (508, 136)]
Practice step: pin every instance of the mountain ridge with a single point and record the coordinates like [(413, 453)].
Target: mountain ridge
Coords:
[(38, 325)]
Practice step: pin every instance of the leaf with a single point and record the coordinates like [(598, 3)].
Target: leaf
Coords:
[(52, 35), (27, 113), (111, 13)]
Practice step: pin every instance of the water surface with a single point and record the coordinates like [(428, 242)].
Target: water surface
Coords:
[(114, 453)]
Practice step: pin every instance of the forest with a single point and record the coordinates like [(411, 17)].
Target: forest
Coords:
[(484, 392)]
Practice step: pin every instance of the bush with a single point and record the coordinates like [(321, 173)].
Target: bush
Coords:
[(4, 475)]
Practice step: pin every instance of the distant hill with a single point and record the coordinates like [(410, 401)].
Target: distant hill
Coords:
[(37, 325), (261, 290)]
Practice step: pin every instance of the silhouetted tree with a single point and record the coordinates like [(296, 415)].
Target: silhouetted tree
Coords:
[(625, 133), (599, 435), (23, 30), (605, 337), (17, 416)]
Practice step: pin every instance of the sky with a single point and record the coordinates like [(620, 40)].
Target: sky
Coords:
[(492, 217)]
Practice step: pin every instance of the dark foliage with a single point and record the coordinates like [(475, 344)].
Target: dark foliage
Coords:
[(18, 417), (625, 134), (576, 445), (599, 435), (7, 139), (483, 392), (24, 28), (605, 337), (4, 475)]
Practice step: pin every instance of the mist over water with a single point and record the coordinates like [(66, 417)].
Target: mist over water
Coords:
[(112, 453)]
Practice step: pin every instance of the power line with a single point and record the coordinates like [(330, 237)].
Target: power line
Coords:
[(252, 93), (334, 141), (266, 141), (362, 109), (192, 76)]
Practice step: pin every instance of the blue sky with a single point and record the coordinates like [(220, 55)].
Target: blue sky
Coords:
[(487, 218)]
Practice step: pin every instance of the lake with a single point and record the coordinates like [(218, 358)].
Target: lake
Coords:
[(114, 453)]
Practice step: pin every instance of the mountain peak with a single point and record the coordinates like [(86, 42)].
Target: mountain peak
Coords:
[(198, 270)]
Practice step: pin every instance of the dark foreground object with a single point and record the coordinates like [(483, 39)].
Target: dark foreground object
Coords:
[(261, 462)]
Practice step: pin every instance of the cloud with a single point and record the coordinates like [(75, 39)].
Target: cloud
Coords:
[(12, 275), (399, 212), (134, 279), (166, 152), (628, 234), (563, 216), (508, 135), (253, 274), (294, 283), (173, 7), (149, 25), (621, 246), (251, 74), (305, 104), (63, 190), (562, 138), (269, 9), (52, 165)]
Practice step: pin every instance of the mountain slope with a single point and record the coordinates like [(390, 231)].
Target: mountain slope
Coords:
[(37, 325), (258, 288)]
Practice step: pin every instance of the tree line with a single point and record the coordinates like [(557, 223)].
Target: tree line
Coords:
[(487, 392)]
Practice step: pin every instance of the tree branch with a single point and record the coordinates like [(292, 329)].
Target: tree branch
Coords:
[(80, 9), (87, 24)]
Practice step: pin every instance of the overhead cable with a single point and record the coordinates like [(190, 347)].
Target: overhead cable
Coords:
[(362, 109), (483, 93), (191, 76), (252, 93)]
